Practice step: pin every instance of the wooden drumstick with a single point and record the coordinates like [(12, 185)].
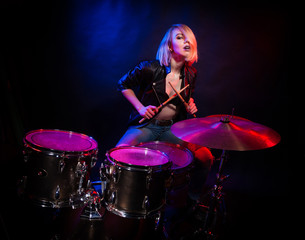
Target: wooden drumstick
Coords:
[(181, 98), (168, 100)]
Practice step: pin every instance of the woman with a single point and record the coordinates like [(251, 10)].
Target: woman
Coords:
[(148, 85)]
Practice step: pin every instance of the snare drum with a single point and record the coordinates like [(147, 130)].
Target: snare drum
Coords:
[(58, 167), (136, 181)]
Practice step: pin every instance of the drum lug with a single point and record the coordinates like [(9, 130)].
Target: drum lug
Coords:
[(115, 174), (57, 192), (104, 175), (25, 156), (112, 198), (26, 153), (145, 204), (148, 181), (93, 161), (61, 165), (81, 169), (148, 178), (104, 172)]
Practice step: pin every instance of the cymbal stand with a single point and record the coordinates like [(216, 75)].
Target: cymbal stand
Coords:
[(216, 209)]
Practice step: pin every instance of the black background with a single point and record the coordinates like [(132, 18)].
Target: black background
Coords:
[(61, 60)]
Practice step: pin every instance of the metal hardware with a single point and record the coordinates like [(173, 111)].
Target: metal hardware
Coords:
[(104, 176), (25, 156), (91, 211), (81, 169), (145, 204), (116, 172), (113, 197), (157, 220), (148, 178), (57, 192), (62, 165), (93, 160), (41, 172)]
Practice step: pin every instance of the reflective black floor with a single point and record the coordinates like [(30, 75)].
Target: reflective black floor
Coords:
[(260, 204), (27, 221)]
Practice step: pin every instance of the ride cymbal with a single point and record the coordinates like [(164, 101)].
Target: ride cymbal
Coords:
[(226, 132)]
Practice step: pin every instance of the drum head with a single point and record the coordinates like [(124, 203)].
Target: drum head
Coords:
[(178, 155), (59, 140), (138, 156)]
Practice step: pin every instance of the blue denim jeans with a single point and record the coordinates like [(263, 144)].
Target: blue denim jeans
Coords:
[(150, 132)]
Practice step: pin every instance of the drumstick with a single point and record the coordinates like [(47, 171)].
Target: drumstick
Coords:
[(179, 95), (165, 102)]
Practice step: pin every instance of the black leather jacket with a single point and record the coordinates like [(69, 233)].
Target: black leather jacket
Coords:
[(150, 74)]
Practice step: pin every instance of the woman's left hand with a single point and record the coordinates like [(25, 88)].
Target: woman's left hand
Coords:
[(192, 106)]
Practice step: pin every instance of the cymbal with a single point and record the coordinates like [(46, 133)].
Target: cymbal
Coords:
[(226, 132)]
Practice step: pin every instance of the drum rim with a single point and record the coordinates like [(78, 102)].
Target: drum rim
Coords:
[(128, 214), (191, 155), (39, 147), (136, 165)]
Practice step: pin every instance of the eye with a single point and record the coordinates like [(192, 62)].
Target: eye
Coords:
[(179, 36)]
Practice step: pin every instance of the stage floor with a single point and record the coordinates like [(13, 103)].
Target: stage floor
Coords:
[(258, 202)]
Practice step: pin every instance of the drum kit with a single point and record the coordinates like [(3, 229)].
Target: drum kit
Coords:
[(58, 163), (135, 180)]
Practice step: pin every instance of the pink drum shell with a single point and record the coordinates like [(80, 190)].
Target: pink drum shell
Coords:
[(59, 140), (138, 156)]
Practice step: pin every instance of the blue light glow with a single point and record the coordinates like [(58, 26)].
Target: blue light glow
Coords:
[(106, 34)]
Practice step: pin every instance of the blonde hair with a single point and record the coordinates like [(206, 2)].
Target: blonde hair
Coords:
[(164, 54)]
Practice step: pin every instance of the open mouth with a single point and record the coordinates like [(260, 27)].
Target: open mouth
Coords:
[(187, 47)]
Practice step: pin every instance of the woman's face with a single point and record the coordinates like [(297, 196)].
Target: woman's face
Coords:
[(181, 46)]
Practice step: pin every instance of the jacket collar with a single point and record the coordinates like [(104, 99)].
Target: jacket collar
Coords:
[(168, 69)]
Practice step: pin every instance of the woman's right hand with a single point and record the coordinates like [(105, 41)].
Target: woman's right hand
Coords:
[(148, 112)]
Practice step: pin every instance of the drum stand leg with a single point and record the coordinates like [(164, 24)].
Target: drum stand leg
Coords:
[(91, 210), (95, 200), (216, 208)]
